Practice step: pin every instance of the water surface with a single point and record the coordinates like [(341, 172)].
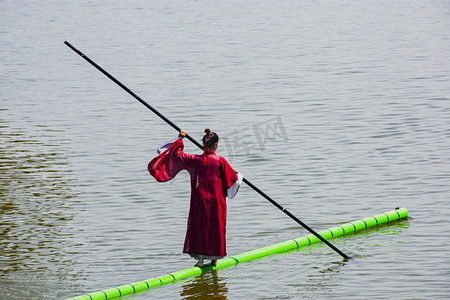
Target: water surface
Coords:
[(336, 110)]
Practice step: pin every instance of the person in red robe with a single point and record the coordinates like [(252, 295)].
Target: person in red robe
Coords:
[(212, 180)]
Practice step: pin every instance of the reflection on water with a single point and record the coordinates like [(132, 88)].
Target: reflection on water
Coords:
[(206, 286), (362, 89), (325, 277), (35, 186)]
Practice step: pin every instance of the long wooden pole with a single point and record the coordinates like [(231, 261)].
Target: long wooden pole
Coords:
[(201, 147)]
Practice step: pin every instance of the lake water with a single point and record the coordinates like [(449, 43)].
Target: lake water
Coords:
[(338, 110)]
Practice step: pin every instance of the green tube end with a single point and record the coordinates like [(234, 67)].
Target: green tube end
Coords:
[(403, 212)]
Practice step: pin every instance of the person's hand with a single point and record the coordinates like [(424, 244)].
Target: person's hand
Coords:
[(182, 134)]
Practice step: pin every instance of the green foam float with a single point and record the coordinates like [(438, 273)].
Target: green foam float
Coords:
[(347, 228)]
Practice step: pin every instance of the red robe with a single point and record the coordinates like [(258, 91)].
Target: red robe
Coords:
[(211, 176)]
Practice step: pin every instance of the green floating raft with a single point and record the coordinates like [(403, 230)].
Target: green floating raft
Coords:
[(352, 227)]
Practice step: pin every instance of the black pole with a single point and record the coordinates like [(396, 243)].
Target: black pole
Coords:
[(201, 147)]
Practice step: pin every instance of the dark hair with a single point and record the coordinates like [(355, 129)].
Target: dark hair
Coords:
[(210, 138)]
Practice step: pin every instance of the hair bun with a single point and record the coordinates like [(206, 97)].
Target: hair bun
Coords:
[(207, 131)]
